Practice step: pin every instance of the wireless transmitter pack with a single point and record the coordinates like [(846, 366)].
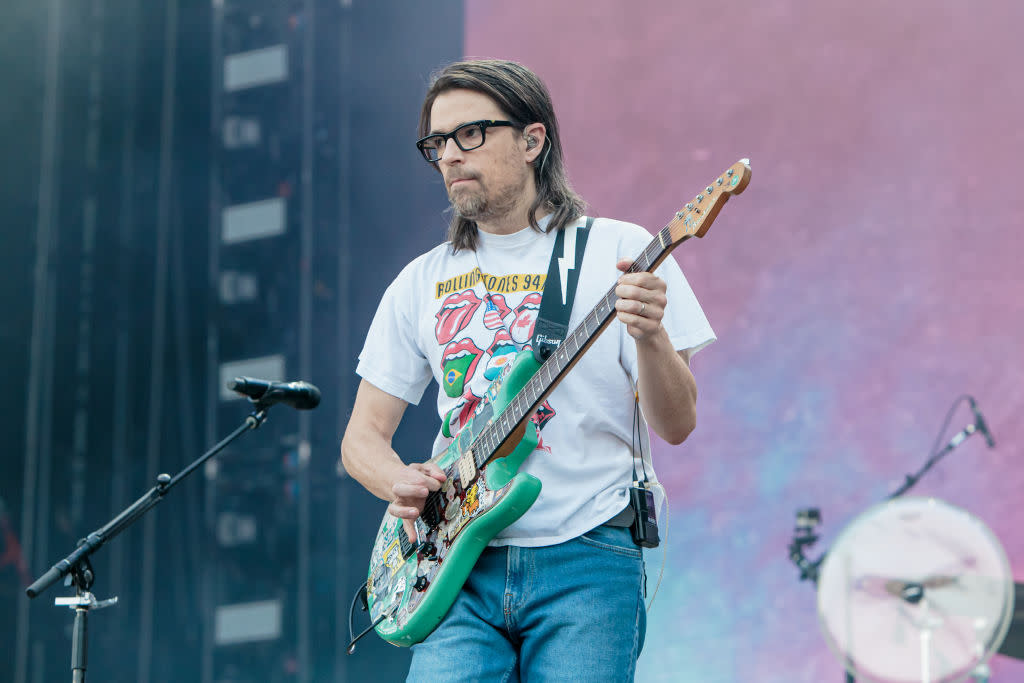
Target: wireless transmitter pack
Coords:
[(645, 522)]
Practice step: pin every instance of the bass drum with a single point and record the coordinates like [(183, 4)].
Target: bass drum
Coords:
[(915, 590)]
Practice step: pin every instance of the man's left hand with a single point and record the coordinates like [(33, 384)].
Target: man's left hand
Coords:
[(641, 304)]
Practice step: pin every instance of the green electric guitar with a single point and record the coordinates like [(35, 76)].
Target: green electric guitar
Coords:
[(412, 583)]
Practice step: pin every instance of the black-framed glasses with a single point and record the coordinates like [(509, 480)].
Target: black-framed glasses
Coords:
[(468, 136)]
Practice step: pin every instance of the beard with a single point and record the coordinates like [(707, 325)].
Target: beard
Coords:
[(478, 204), (470, 205)]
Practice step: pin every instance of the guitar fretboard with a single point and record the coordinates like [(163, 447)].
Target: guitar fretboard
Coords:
[(536, 390)]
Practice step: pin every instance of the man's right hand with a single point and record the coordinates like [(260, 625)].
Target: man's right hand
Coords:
[(410, 490)]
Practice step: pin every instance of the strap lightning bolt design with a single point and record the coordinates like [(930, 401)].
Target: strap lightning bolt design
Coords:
[(568, 259)]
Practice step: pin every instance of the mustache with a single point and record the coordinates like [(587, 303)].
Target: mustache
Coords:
[(461, 176)]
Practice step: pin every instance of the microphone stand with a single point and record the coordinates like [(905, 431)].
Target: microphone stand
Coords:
[(912, 479), (77, 563)]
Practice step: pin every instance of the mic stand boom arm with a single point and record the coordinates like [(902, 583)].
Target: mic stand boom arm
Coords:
[(77, 563), (912, 479)]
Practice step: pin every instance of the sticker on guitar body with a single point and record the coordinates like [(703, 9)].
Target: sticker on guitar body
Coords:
[(468, 506)]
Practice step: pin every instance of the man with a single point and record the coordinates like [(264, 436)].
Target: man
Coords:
[(559, 593)]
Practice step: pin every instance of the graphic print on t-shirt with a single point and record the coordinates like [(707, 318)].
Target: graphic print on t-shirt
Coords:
[(494, 337), (495, 311), (521, 328), (458, 363), (500, 353), (458, 416), (456, 312)]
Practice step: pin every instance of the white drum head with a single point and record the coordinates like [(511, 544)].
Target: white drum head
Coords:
[(915, 590)]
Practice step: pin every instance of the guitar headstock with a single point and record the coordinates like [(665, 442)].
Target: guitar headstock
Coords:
[(696, 217)]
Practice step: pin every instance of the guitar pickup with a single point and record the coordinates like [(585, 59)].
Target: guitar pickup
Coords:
[(467, 466), (404, 542), (433, 511)]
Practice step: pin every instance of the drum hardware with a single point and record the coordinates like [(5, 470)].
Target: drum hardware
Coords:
[(927, 569)]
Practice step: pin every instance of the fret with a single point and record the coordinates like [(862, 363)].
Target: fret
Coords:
[(536, 387), (650, 255), (523, 397)]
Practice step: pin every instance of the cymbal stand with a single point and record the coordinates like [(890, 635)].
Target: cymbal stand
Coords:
[(981, 672)]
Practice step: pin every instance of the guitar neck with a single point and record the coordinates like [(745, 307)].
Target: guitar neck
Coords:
[(693, 220), (558, 364)]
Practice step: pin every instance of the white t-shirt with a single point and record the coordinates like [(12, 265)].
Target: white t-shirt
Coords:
[(439, 320)]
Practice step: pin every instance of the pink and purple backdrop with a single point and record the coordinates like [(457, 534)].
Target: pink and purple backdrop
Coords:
[(869, 275)]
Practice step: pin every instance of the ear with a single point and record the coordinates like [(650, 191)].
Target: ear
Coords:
[(538, 134)]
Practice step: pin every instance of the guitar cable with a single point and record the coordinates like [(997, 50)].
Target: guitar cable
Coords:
[(637, 426), (361, 593)]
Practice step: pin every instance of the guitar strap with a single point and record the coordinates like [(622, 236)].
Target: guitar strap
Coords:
[(556, 302)]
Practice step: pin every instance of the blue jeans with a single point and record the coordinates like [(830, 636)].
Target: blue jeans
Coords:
[(567, 612)]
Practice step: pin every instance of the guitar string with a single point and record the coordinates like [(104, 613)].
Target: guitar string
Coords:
[(601, 312), (558, 361), (489, 437)]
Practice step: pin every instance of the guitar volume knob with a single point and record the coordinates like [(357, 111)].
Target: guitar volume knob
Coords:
[(421, 583)]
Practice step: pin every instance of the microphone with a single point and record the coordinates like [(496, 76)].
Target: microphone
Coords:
[(979, 423), (299, 395)]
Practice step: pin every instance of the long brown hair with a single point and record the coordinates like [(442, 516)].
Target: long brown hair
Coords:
[(525, 100)]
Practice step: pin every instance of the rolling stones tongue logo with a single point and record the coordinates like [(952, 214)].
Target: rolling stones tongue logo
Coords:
[(500, 353), (526, 317), (459, 415), (540, 418), (458, 362), (495, 311), (456, 312), (543, 414)]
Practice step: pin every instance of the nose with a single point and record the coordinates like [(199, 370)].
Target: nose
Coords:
[(451, 153)]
